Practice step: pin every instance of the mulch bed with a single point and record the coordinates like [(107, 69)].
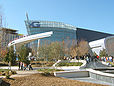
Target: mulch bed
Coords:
[(40, 80)]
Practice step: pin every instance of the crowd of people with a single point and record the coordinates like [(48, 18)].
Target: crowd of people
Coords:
[(105, 59), (24, 66)]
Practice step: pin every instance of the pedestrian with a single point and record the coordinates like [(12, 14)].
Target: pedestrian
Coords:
[(21, 64), (97, 57), (110, 59), (24, 66), (30, 67), (87, 59), (106, 58)]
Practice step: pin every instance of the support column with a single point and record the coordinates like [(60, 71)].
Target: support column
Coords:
[(38, 46), (14, 48)]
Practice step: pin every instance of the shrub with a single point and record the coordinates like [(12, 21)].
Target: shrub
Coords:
[(46, 73), (3, 73), (7, 75), (10, 73), (14, 72)]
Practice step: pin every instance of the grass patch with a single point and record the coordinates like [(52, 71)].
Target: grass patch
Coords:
[(48, 72), (70, 64), (3, 70), (42, 63)]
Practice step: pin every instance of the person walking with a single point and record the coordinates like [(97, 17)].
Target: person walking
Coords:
[(24, 66), (21, 64), (30, 67)]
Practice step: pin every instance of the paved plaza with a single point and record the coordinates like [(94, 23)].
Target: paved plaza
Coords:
[(91, 80)]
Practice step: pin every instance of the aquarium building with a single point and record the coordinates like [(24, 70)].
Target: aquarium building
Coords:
[(61, 32)]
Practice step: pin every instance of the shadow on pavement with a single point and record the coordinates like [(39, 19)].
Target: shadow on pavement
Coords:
[(4, 84)]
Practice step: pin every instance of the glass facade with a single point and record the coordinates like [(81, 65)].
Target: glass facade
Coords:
[(60, 30), (109, 45), (7, 35)]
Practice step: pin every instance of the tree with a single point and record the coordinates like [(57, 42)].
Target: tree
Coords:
[(56, 50), (53, 50), (103, 53), (83, 48), (73, 49), (43, 51), (9, 56), (66, 46), (3, 53), (34, 49), (23, 53), (79, 49), (12, 56)]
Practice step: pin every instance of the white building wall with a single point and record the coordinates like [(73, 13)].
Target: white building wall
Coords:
[(97, 45)]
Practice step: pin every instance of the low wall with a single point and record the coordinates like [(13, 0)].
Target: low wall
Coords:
[(72, 74), (98, 75), (12, 67)]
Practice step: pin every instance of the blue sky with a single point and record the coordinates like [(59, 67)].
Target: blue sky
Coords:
[(90, 14)]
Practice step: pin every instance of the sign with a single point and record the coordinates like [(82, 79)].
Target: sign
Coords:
[(34, 24)]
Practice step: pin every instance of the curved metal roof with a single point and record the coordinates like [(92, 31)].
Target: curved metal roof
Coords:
[(53, 24)]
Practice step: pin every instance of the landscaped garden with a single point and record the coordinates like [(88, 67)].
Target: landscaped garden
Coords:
[(47, 72), (47, 56), (41, 80), (70, 64), (42, 63), (7, 72)]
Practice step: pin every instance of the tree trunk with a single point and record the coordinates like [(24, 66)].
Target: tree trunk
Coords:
[(9, 65)]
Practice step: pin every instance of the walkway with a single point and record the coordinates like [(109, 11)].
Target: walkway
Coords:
[(24, 73), (91, 80), (27, 73)]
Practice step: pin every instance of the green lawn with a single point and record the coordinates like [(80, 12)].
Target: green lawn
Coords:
[(70, 64), (49, 70), (1, 70), (42, 63)]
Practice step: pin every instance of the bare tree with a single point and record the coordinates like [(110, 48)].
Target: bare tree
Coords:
[(56, 50), (53, 50), (83, 47), (73, 49), (66, 46)]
